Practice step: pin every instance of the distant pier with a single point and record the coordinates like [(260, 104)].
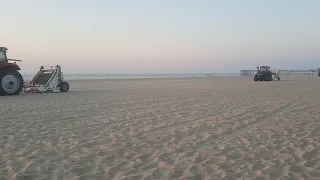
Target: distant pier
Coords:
[(311, 72)]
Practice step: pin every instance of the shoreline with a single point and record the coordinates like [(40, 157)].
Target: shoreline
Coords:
[(29, 76), (142, 78)]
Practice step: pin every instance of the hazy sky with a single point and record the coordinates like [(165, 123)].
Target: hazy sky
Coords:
[(149, 36)]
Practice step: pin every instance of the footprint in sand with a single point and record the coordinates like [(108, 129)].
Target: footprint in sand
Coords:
[(28, 175)]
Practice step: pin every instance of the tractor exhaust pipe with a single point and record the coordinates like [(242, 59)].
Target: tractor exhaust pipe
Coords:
[(17, 60)]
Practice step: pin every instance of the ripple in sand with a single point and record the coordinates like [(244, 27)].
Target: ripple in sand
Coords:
[(150, 166), (177, 173), (114, 170), (82, 170), (200, 158), (103, 153), (145, 157), (273, 172), (312, 163), (227, 166), (235, 155), (108, 159), (259, 178), (189, 153), (241, 174), (314, 173), (257, 167), (298, 169), (133, 171), (158, 174), (264, 155), (133, 177), (95, 175), (220, 153), (309, 155), (277, 142), (28, 175)]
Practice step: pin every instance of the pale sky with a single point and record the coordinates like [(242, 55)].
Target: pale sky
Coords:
[(154, 36)]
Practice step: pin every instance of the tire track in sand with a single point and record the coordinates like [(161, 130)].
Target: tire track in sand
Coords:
[(164, 128), (269, 116)]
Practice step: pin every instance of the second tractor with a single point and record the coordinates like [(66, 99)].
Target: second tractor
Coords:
[(265, 74)]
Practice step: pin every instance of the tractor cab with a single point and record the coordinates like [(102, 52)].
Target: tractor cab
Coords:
[(3, 54), (263, 68)]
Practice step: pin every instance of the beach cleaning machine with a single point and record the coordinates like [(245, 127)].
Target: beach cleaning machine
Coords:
[(49, 79)]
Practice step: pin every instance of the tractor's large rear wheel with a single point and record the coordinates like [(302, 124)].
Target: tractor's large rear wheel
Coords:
[(11, 82), (267, 77), (270, 77), (255, 78)]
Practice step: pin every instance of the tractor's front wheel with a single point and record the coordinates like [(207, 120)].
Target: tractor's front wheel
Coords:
[(255, 78), (11, 82)]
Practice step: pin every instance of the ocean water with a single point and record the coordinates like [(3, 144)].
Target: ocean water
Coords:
[(78, 76)]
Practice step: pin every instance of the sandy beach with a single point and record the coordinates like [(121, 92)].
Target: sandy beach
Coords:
[(179, 128)]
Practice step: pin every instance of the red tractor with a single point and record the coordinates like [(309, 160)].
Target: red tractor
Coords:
[(11, 81)]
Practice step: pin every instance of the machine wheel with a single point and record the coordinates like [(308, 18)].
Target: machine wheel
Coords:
[(64, 86), (278, 78), (11, 82), (255, 78)]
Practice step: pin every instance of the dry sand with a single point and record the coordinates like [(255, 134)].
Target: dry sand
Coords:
[(193, 128)]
